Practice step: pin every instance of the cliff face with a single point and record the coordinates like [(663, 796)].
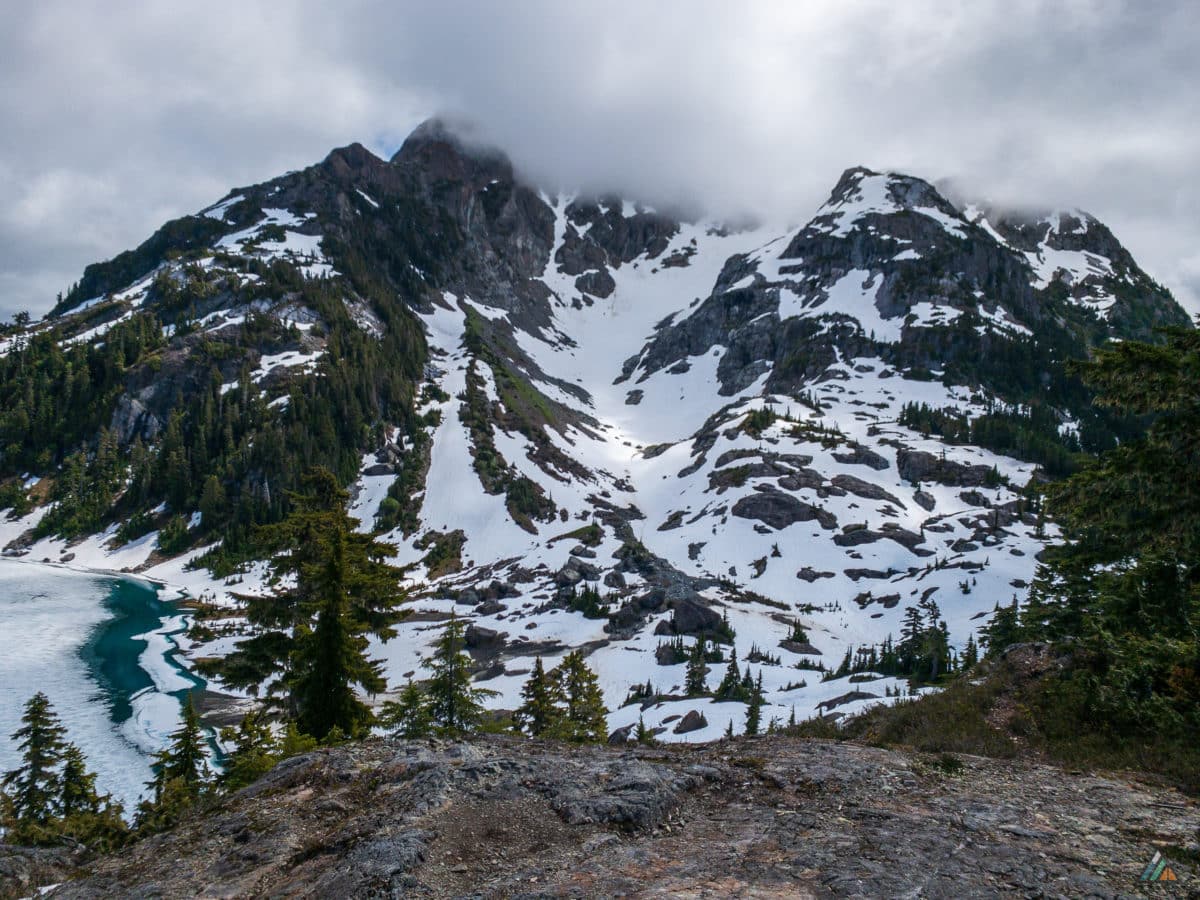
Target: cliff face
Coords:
[(770, 817)]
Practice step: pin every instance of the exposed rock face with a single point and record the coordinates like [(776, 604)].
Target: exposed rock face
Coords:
[(768, 817), (779, 510), (918, 466)]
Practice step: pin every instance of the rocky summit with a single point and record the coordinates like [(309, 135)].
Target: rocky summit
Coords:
[(787, 439), (769, 817)]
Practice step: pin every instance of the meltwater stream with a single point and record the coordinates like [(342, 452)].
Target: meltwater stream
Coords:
[(100, 647)]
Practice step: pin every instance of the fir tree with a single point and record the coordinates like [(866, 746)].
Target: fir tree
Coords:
[(34, 789), (78, 788), (330, 660), (455, 705), (1122, 590), (585, 717), (181, 776), (311, 637), (642, 734), (754, 713), (87, 816), (186, 758), (408, 716), (730, 686), (254, 751), (1004, 628), (694, 680), (539, 712)]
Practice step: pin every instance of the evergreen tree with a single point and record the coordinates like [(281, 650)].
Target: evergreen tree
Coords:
[(455, 705), (331, 659), (186, 758), (254, 751), (1123, 589), (87, 816), (78, 788), (970, 656), (585, 717), (34, 789), (694, 680), (312, 636), (642, 734), (408, 716), (181, 775), (542, 695), (1003, 629), (754, 709), (729, 688)]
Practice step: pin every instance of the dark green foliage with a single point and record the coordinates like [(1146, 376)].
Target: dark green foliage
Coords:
[(51, 797), (758, 420), (754, 705), (589, 602), (444, 551), (125, 268), (181, 776), (33, 789), (313, 635), (1122, 592), (14, 498), (408, 716), (923, 654), (254, 752), (173, 537), (455, 705), (541, 697), (57, 399), (1031, 434), (329, 658), (694, 678), (732, 687), (584, 715)]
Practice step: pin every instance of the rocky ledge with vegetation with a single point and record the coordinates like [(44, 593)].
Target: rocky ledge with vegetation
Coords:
[(774, 816)]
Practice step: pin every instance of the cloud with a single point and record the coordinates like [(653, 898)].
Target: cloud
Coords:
[(119, 120)]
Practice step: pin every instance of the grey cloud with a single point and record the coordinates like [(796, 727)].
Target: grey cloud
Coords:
[(116, 121)]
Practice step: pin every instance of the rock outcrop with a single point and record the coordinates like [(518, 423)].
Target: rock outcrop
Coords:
[(767, 817)]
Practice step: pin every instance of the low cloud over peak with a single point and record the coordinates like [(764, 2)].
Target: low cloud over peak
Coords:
[(115, 122)]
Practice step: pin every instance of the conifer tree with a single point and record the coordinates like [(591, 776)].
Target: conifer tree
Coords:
[(728, 689), (455, 705), (254, 751), (34, 789), (408, 715), (585, 717), (87, 816), (754, 707), (181, 775), (186, 759), (542, 696), (78, 788), (331, 659), (642, 734), (312, 636), (694, 680)]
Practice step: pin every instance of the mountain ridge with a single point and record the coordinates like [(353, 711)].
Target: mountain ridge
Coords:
[(823, 428)]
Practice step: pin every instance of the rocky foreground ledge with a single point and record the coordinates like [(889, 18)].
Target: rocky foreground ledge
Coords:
[(768, 817)]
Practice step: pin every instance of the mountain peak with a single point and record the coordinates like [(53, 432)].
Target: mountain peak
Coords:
[(351, 158), (447, 149)]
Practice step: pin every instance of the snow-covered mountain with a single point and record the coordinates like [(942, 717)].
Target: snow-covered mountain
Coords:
[(721, 430)]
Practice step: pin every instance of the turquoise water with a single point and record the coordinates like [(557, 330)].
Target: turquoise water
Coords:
[(113, 653), (101, 648)]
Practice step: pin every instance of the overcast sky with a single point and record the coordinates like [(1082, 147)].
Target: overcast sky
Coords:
[(117, 116)]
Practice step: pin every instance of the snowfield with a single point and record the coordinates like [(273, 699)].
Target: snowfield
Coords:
[(809, 519)]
